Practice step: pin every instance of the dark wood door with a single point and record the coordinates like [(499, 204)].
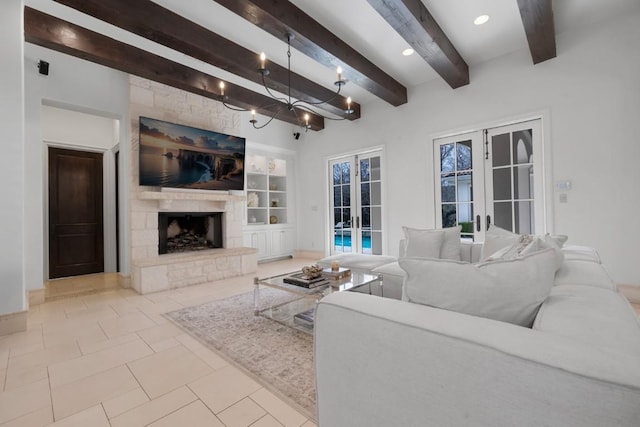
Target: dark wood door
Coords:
[(76, 232)]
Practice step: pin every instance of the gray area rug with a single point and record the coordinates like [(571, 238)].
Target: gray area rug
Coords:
[(279, 357)]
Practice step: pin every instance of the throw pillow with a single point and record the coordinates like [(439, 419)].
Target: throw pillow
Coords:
[(450, 248), (505, 290), (420, 240), (526, 245), (497, 238), (422, 243)]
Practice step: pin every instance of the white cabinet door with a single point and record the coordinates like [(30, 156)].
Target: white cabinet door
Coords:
[(282, 242), (257, 240)]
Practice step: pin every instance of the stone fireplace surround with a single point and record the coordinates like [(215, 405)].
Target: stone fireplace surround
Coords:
[(152, 272)]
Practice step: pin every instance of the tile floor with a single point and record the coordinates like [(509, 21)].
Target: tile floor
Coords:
[(109, 358), (94, 359)]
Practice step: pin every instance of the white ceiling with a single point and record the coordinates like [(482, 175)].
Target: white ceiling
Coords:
[(359, 25)]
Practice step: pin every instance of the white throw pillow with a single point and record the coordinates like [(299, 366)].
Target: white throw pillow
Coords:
[(506, 290), (497, 238), (526, 245), (422, 243), (450, 248)]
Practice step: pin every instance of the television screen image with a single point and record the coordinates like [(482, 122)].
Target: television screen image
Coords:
[(179, 156)]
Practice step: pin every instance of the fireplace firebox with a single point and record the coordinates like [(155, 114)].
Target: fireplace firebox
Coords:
[(189, 231)]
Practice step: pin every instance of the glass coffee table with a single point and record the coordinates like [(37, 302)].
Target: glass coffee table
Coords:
[(298, 312)]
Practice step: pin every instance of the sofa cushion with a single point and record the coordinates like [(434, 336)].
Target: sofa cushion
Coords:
[(357, 262), (392, 279), (423, 243), (505, 290), (584, 253), (593, 315), (581, 272)]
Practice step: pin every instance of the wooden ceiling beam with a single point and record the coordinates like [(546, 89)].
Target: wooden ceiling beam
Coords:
[(56, 34), (278, 17), (537, 18), (152, 21), (412, 20)]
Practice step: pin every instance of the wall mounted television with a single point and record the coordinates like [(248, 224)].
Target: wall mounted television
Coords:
[(178, 156)]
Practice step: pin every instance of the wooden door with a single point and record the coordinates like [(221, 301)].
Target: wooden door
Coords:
[(76, 232)]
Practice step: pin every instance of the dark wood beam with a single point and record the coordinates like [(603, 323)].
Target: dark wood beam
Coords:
[(62, 36), (412, 20), (147, 19), (278, 17), (537, 18)]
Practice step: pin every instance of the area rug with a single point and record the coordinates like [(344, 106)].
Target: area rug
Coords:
[(278, 357)]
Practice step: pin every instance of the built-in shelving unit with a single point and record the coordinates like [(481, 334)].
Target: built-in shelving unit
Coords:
[(269, 222), (266, 190)]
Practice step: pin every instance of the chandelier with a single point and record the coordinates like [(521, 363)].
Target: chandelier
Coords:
[(298, 107)]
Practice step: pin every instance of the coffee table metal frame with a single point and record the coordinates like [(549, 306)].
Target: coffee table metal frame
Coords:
[(354, 281)]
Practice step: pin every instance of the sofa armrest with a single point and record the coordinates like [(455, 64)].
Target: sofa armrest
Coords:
[(382, 362)]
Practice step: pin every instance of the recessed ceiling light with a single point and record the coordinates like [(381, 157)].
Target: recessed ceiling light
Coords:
[(408, 52), (481, 19)]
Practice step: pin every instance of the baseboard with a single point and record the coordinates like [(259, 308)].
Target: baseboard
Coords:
[(13, 322), (309, 254), (35, 296), (632, 292)]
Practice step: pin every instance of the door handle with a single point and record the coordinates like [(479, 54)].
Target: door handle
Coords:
[(478, 223), (488, 221), (357, 222)]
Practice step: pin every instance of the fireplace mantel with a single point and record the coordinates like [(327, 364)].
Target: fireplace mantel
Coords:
[(166, 198)]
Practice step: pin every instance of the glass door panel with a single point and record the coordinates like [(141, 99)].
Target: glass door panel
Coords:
[(457, 194), (341, 189), (514, 178), (356, 195)]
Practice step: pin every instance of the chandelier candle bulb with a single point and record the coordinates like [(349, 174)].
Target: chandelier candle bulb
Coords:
[(263, 60), (348, 103), (339, 74), (306, 120), (253, 116), (221, 88)]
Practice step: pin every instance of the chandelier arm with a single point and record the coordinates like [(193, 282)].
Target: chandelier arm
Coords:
[(311, 110), (335, 95), (268, 121), (271, 94), (232, 107)]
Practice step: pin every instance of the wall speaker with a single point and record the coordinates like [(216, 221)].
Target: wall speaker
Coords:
[(43, 67)]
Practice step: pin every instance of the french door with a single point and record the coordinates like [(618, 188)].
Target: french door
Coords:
[(356, 203), (491, 176)]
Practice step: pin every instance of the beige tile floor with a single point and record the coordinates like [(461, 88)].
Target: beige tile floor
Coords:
[(109, 358)]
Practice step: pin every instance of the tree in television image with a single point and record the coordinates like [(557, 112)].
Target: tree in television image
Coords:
[(173, 155)]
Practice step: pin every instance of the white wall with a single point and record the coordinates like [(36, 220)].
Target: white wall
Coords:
[(591, 92), (72, 84), (66, 127), (12, 294)]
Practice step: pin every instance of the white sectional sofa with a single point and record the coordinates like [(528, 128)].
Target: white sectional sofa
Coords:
[(385, 362)]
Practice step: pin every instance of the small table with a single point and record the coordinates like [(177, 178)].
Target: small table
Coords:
[(306, 297)]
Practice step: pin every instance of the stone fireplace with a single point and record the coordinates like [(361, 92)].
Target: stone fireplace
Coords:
[(152, 271), (224, 255), (189, 231)]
